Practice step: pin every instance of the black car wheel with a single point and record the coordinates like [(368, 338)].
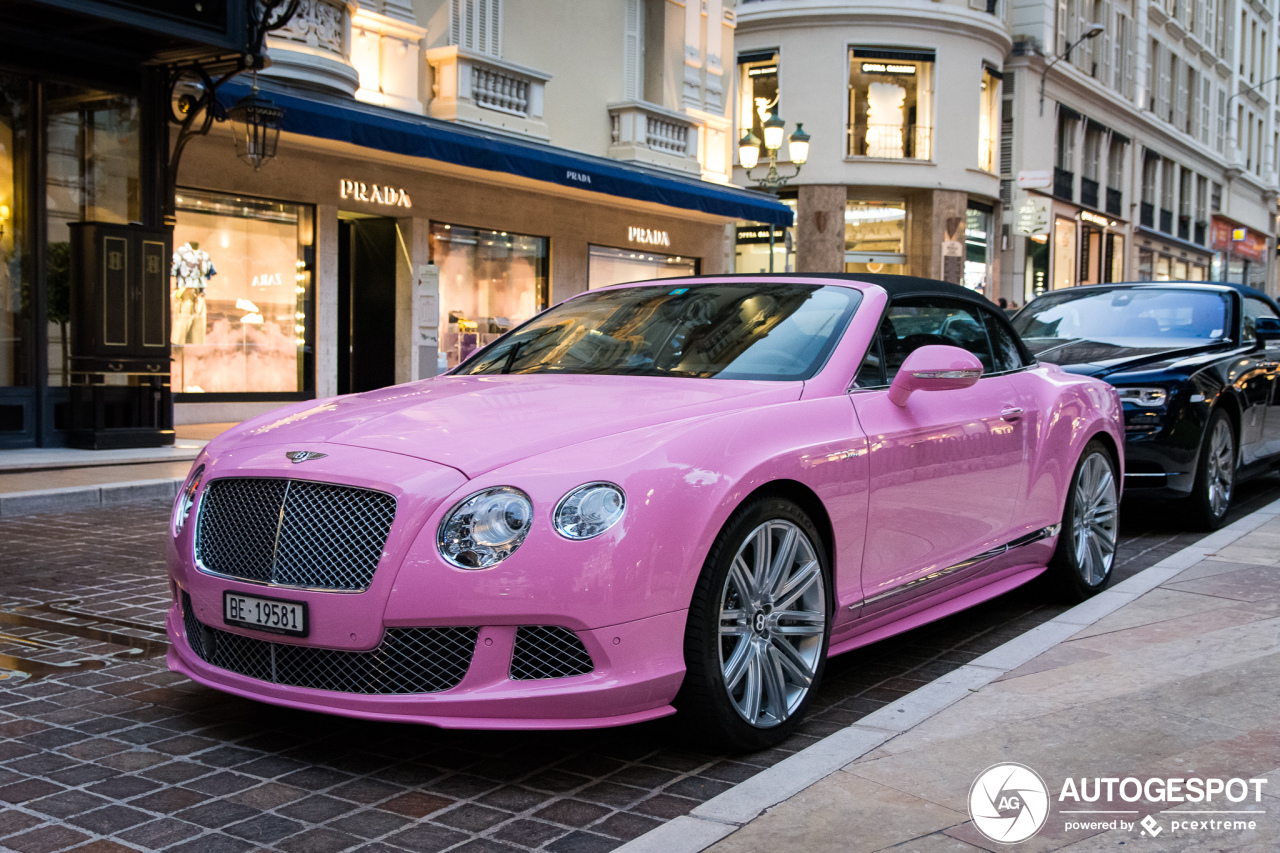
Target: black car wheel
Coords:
[(759, 625), (1081, 563), (1210, 497)]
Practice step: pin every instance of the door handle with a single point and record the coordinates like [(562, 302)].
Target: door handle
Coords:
[(1011, 413)]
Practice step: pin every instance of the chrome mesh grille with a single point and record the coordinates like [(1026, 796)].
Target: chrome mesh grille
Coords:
[(293, 532), (548, 651), (408, 660)]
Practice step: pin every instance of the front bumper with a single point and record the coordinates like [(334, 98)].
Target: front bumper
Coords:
[(638, 667)]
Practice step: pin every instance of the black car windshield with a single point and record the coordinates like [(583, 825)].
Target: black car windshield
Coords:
[(754, 330), (1130, 316)]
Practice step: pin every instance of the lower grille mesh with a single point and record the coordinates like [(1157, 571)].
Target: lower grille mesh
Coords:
[(408, 660), (548, 651)]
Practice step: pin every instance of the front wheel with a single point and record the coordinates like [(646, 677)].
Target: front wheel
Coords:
[(759, 626), (1210, 497), (1081, 564)]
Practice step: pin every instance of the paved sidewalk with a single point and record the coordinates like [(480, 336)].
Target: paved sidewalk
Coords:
[(1181, 681)]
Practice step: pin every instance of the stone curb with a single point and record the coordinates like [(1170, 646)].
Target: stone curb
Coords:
[(724, 814), (81, 497)]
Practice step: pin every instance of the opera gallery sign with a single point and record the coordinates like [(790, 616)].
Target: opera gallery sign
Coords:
[(373, 193)]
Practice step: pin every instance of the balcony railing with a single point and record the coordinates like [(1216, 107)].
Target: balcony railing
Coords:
[(1114, 199), (1200, 226), (1166, 221), (891, 141), (475, 88), (1063, 182), (1184, 227), (647, 133), (1089, 192), (1147, 214)]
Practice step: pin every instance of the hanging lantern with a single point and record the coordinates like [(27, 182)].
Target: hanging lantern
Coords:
[(257, 127)]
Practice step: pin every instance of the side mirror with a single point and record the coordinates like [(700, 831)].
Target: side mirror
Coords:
[(934, 368), (1267, 330)]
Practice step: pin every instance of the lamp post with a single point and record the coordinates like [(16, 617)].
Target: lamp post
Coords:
[(774, 130), (1233, 134), (749, 157), (1092, 33)]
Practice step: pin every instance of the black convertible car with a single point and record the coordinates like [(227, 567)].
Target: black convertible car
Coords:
[(1195, 364)]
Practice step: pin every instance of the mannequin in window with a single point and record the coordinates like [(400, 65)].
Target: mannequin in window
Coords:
[(192, 268)]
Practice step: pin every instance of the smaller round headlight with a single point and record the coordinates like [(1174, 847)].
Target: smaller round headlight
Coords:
[(484, 529), (186, 500), (590, 510)]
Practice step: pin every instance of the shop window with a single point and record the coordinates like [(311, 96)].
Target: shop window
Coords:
[(241, 295), (758, 93), (607, 265), (977, 247), (93, 174), (1146, 265), (1036, 268), (1064, 253), (490, 282), (874, 236), (890, 103), (988, 120), (15, 147)]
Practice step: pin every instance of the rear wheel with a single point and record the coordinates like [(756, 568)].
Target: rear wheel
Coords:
[(1210, 497), (759, 625), (1081, 564)]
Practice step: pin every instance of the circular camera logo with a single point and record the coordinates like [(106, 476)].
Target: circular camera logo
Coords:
[(1008, 803)]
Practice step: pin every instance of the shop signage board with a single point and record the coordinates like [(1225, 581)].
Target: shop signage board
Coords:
[(1032, 217), (1097, 219), (373, 193), (760, 234), (1035, 179), (1227, 236), (648, 236)]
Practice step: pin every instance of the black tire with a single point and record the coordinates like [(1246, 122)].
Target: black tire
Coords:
[(1078, 571), (704, 698), (1203, 509)]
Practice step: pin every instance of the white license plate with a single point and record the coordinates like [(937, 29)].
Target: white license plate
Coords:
[(265, 614)]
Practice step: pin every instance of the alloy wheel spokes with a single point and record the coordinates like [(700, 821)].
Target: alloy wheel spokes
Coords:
[(773, 623), (1095, 517)]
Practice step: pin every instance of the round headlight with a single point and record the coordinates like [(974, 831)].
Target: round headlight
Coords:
[(186, 500), (590, 510), (485, 528)]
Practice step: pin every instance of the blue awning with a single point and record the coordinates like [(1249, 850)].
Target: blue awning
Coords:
[(344, 120)]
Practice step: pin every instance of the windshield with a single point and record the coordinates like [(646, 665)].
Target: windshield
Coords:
[(1141, 316), (723, 331)]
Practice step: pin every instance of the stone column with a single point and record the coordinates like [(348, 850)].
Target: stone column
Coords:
[(936, 217), (819, 228), (412, 251), (326, 296)]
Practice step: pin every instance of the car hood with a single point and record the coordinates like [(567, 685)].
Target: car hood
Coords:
[(479, 423), (1098, 358)]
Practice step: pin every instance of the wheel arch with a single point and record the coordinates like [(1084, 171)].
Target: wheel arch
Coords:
[(807, 499), (1109, 442)]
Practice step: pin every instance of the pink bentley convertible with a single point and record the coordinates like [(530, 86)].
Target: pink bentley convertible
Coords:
[(683, 494)]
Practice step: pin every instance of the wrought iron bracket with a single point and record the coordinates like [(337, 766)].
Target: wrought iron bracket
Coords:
[(194, 111)]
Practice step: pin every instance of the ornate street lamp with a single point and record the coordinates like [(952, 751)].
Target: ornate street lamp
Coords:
[(774, 130), (257, 127)]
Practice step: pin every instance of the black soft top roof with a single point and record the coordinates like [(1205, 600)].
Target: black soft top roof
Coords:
[(894, 285)]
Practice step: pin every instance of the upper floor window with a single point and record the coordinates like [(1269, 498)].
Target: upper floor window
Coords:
[(890, 103), (477, 25), (988, 120), (758, 85)]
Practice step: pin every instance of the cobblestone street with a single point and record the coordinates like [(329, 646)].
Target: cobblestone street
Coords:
[(102, 748)]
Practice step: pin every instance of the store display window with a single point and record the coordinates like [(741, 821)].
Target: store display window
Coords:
[(1064, 253), (890, 103), (875, 237), (241, 290), (607, 265), (758, 93), (978, 247), (490, 281)]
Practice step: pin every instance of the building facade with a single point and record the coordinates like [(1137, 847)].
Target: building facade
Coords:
[(1018, 146), (903, 105), (1147, 153), (455, 146)]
